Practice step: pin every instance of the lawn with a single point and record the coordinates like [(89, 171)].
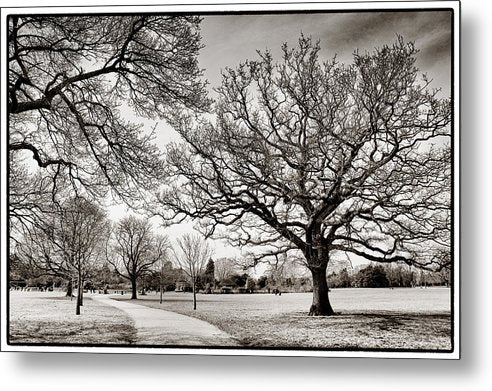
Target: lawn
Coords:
[(417, 319), (408, 319), (49, 317)]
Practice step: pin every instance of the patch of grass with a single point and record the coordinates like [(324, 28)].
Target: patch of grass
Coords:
[(43, 317), (282, 322)]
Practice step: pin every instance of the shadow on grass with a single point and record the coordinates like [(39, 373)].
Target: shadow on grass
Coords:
[(37, 320)]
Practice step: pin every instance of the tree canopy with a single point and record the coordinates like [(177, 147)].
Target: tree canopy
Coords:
[(69, 244), (134, 249), (192, 255), (74, 84), (319, 157)]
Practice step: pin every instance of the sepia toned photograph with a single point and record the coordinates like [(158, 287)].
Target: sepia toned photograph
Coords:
[(274, 181)]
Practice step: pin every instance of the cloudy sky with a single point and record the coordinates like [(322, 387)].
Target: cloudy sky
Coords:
[(230, 39)]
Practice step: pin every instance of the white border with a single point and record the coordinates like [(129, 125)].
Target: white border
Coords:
[(221, 5)]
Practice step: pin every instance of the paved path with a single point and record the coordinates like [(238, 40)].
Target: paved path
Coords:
[(159, 327)]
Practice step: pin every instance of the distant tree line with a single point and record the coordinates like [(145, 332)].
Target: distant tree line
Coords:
[(379, 276)]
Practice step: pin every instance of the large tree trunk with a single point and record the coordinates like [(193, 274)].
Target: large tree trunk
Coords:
[(134, 288), (321, 304)]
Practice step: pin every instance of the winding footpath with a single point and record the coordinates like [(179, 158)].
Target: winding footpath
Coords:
[(159, 327)]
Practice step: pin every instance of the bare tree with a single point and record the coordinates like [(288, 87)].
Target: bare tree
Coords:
[(70, 245), (224, 268), (163, 274), (317, 158), (194, 253), (71, 77), (134, 249), (282, 267)]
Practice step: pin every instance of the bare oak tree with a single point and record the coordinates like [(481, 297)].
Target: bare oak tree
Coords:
[(69, 245), (134, 249), (320, 158), (192, 257), (70, 79)]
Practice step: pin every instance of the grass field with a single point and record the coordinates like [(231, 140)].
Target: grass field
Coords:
[(49, 317), (407, 319), (368, 318)]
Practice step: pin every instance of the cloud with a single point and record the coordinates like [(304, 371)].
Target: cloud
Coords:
[(230, 39)]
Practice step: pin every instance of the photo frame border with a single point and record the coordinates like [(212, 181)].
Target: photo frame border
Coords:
[(246, 8)]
